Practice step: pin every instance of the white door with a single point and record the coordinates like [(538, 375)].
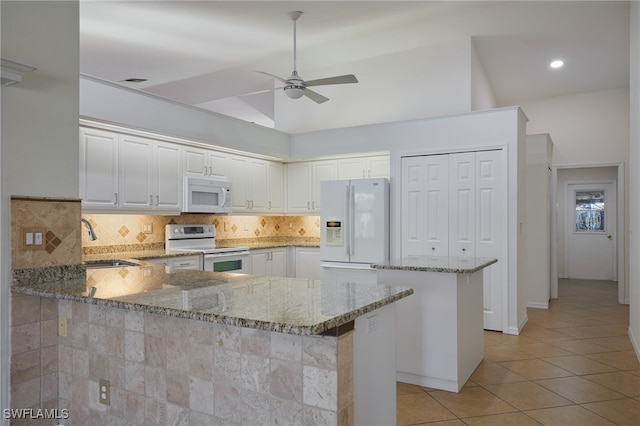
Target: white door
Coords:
[(490, 216), (591, 231)]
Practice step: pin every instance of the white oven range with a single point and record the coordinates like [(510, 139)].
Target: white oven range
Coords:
[(202, 239)]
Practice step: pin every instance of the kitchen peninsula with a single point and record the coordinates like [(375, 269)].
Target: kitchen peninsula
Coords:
[(206, 347), (440, 339)]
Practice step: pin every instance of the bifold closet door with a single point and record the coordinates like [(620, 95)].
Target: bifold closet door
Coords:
[(425, 206)]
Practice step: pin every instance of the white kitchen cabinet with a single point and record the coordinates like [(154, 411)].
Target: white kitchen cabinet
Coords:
[(130, 173), (98, 169), (180, 262), (257, 185), (364, 167), (199, 162), (308, 263), (303, 188), (271, 262), (453, 205)]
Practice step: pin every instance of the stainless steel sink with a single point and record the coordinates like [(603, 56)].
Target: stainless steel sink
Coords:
[(115, 263)]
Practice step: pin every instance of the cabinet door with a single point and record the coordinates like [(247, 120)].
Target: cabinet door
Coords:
[(239, 174), (135, 172), (298, 187), (259, 262), (258, 185), (278, 261), (462, 204), (167, 176), (379, 166), (320, 170), (351, 168), (217, 165), (308, 263), (98, 169), (275, 172), (195, 161)]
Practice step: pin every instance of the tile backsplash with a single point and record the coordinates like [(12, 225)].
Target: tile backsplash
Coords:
[(147, 231), (57, 219)]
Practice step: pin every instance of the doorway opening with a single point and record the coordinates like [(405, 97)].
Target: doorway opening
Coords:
[(588, 225)]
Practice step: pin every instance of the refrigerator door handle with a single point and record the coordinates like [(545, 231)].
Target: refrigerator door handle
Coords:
[(352, 217), (347, 225)]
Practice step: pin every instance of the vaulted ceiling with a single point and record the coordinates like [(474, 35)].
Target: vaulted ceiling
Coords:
[(205, 53)]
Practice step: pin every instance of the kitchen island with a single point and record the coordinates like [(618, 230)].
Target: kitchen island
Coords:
[(206, 348), (439, 337)]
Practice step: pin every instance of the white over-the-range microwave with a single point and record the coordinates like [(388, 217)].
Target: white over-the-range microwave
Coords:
[(206, 195)]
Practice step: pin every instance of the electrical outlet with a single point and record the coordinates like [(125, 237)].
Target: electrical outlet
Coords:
[(37, 238), (147, 228), (33, 238), (105, 392), (372, 323), (62, 326)]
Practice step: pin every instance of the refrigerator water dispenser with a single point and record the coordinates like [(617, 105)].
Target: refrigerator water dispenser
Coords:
[(333, 233)]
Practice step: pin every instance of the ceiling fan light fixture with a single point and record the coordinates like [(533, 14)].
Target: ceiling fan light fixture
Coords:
[(294, 92)]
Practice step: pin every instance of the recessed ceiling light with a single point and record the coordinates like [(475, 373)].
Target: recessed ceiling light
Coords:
[(134, 80), (556, 64)]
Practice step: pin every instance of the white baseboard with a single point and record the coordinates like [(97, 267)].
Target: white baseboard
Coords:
[(537, 305)]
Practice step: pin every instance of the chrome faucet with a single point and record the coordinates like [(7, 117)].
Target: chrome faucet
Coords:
[(92, 235)]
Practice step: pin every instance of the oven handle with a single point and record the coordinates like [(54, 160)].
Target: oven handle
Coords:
[(233, 253)]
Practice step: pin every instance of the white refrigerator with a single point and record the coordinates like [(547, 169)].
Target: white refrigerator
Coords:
[(354, 225)]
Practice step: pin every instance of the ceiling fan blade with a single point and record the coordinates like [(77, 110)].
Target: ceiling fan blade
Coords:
[(315, 96), (273, 76), (341, 79)]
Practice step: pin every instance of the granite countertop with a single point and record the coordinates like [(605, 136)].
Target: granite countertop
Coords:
[(266, 243), (453, 265), (140, 255), (287, 305)]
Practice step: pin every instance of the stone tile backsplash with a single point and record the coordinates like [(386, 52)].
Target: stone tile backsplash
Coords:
[(147, 231)]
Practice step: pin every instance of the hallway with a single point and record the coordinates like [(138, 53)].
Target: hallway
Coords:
[(573, 364)]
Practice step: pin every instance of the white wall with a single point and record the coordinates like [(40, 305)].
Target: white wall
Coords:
[(538, 221), (587, 128), (39, 138), (482, 96), (139, 110), (634, 190), (427, 89)]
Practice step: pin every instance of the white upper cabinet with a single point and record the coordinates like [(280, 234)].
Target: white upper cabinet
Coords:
[(375, 166), (303, 186), (98, 169), (257, 185), (201, 162), (129, 172)]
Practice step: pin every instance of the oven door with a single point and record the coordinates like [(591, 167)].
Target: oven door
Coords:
[(238, 262)]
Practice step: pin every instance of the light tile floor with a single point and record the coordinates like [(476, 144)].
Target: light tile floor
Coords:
[(573, 364)]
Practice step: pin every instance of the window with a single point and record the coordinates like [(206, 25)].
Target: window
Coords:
[(590, 211)]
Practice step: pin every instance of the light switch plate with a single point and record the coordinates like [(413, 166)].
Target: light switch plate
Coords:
[(33, 238)]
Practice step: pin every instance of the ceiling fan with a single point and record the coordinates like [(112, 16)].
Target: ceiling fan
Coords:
[(295, 87)]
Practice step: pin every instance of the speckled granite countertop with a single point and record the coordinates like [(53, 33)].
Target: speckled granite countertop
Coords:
[(141, 255), (287, 305), (266, 243), (453, 265)]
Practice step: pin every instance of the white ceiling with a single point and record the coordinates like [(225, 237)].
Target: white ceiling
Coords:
[(204, 53)]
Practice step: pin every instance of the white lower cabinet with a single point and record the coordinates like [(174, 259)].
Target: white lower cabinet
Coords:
[(180, 262), (308, 263), (271, 262)]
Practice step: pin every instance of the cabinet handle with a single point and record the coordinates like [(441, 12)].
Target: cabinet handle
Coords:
[(363, 175), (308, 205), (157, 200), (313, 205), (151, 200), (433, 248), (464, 249), (247, 203), (269, 205), (210, 171), (115, 197), (251, 203)]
